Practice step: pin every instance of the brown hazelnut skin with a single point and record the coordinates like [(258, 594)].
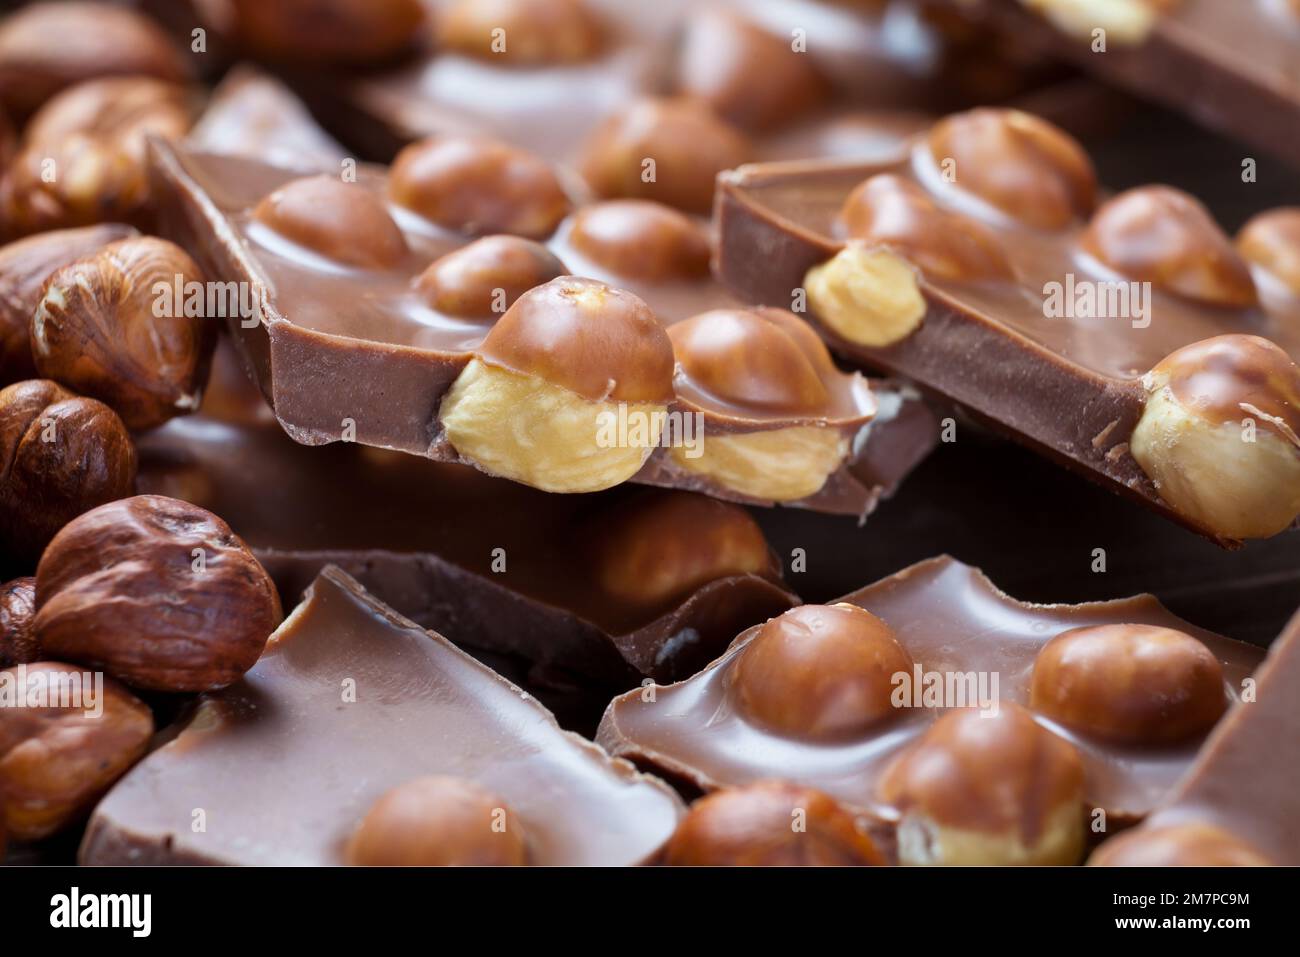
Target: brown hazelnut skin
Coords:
[(1162, 235), (60, 455), (820, 672), (688, 144), (17, 609), (55, 762), (537, 32), (1136, 684), (477, 186), (1024, 166), (1271, 241), (341, 221), (1190, 844), (895, 212), (640, 239), (439, 821), (48, 47), (103, 329), (747, 75), (121, 588), (770, 824), (341, 32), (24, 267), (465, 282)]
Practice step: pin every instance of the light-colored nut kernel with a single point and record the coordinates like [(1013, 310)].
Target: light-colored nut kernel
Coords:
[(780, 465), (1125, 21), (1272, 241), (867, 295), (522, 32), (1193, 844), (342, 221)]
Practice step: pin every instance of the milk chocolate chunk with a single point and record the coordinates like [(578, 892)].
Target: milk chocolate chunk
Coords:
[(965, 700), (1061, 331), (352, 700)]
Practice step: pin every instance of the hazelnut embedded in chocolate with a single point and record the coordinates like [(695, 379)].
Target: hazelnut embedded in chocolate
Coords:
[(866, 294), (1020, 164), (485, 278), (565, 361), (1190, 844), (1162, 235), (334, 31), (1271, 241), (1136, 684), (1220, 435), (820, 672), (344, 222), (477, 185), (770, 824), (521, 32), (641, 239), (438, 821), (987, 788)]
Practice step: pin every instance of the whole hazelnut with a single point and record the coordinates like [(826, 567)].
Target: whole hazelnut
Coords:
[(661, 546), (1191, 844), (522, 32), (344, 222), (1022, 165), (987, 788), (439, 821), (540, 401), (116, 326), (65, 747), (1136, 684), (770, 824), (24, 267), (486, 277), (820, 672), (746, 74), (48, 47), (60, 455), (669, 150), (476, 185), (1127, 22), (1219, 435), (1163, 236), (17, 609), (1271, 241), (339, 32), (640, 239), (158, 592), (867, 295)]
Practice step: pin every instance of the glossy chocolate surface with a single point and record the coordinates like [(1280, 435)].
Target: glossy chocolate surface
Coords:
[(322, 756)]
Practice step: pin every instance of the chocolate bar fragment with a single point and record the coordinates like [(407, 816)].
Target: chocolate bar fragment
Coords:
[(817, 698), (349, 701), (1132, 341), (575, 388)]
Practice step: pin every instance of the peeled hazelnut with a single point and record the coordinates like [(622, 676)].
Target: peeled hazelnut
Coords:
[(1161, 235), (820, 672), (867, 295), (522, 32), (17, 609), (987, 788), (565, 361), (1136, 684), (476, 185), (663, 545), (669, 150), (24, 267), (770, 824), (439, 821), (776, 465), (341, 221), (486, 277), (342, 32), (83, 158), (60, 455), (62, 750), (1220, 435), (1191, 844), (114, 327), (1127, 21), (1024, 166), (1272, 241), (747, 75), (159, 593), (640, 239), (47, 47)]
